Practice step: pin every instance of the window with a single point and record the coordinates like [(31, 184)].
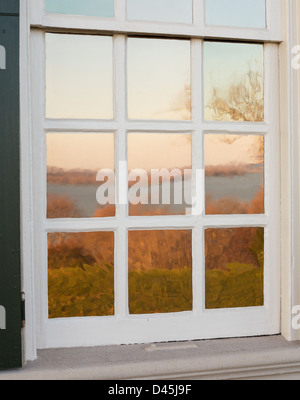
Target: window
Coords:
[(155, 171)]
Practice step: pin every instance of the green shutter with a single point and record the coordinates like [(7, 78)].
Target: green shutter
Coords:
[(10, 278)]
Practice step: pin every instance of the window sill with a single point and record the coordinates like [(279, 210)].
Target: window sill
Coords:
[(249, 358)]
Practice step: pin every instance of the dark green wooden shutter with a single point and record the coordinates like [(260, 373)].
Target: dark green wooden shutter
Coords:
[(10, 278)]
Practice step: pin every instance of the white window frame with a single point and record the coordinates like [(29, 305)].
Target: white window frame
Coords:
[(42, 333), (290, 170)]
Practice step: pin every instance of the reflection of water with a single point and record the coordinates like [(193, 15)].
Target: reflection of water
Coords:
[(83, 196), (243, 187)]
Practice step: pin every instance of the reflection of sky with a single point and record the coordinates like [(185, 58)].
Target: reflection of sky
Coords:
[(158, 71), (79, 78), (156, 151), (80, 85), (94, 151), (226, 64), (80, 151), (231, 149), (240, 13), (96, 8), (180, 11)]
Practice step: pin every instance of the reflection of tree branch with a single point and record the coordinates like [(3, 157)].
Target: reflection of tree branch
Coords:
[(244, 101), (181, 105)]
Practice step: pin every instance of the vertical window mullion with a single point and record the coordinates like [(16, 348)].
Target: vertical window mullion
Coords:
[(121, 10), (198, 170), (121, 285), (199, 13), (272, 174)]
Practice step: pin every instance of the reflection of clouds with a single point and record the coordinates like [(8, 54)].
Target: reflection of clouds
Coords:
[(228, 139)]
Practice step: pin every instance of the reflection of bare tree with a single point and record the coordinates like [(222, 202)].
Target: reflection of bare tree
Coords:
[(181, 105), (243, 102)]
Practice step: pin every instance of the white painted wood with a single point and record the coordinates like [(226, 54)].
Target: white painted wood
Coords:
[(120, 24), (74, 126), (39, 178), (87, 332), (27, 256), (290, 107), (272, 186), (36, 11), (121, 246), (92, 24)]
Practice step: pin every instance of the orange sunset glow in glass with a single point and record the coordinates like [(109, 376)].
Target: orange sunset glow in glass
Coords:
[(73, 178), (160, 170)]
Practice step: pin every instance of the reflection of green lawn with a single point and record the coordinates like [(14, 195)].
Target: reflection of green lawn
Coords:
[(89, 291), (81, 292), (240, 285), (160, 291)]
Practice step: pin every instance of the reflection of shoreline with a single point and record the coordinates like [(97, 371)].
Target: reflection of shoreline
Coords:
[(241, 189), (57, 175), (227, 188), (233, 170)]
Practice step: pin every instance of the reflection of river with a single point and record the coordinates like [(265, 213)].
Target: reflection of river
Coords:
[(242, 187)]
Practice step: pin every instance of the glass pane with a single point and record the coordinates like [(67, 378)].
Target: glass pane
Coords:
[(93, 8), (234, 174), (80, 175), (159, 174), (160, 272), (240, 13), (234, 81), (234, 267), (79, 76), (180, 11), (159, 79), (80, 274)]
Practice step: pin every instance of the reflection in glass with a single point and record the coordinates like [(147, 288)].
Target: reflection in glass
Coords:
[(80, 274), (160, 272), (234, 266), (93, 8), (159, 79), (159, 174), (240, 13), (178, 11), (80, 175), (234, 174), (234, 81), (79, 76)]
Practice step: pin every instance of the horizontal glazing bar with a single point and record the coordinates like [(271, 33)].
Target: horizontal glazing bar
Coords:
[(96, 25)]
